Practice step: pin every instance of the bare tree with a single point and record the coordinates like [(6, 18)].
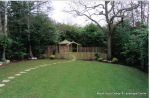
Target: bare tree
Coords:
[(112, 11), (145, 12), (148, 14), (41, 6), (131, 14), (141, 14)]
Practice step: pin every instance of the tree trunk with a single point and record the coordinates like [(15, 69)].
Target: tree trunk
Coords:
[(30, 51), (3, 55), (1, 31), (133, 18), (142, 14), (148, 15), (29, 43), (5, 32), (109, 47), (1, 24), (30, 47), (5, 22), (132, 15)]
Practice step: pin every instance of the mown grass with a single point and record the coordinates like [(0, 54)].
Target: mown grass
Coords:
[(77, 79), (15, 67)]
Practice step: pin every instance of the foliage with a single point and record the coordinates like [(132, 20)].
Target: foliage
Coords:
[(136, 50), (97, 56), (69, 32), (91, 35), (100, 59), (104, 60), (114, 60), (5, 41), (52, 56), (43, 33), (42, 56), (17, 26), (17, 50), (130, 45), (119, 37)]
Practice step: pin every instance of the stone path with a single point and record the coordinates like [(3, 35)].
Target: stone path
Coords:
[(5, 81)]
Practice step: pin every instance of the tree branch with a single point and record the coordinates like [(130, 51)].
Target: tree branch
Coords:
[(122, 11), (92, 7)]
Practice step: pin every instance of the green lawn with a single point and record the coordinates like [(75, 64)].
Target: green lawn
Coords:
[(76, 79)]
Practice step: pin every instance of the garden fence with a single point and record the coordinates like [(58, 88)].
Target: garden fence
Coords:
[(84, 53)]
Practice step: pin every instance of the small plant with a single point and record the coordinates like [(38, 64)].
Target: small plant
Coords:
[(100, 59), (42, 56), (97, 56), (104, 60), (52, 56), (114, 60), (1, 63)]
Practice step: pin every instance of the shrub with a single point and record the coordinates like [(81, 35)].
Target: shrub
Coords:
[(104, 60), (114, 60), (5, 41), (16, 55), (100, 59), (97, 56), (52, 56), (42, 56)]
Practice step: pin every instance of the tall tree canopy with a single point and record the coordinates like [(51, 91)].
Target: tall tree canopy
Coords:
[(113, 13)]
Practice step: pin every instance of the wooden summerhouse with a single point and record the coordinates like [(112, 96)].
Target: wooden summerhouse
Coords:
[(67, 46)]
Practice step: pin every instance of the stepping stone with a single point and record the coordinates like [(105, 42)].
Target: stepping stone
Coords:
[(43, 65), (54, 63), (33, 68), (5, 81), (18, 74), (1, 85), (28, 70), (23, 72), (11, 77)]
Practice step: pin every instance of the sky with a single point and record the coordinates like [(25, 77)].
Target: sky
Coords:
[(59, 15)]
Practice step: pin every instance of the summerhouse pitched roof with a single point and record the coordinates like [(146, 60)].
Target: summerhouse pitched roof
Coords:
[(67, 42)]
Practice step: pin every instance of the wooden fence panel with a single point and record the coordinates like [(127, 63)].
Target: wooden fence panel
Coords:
[(84, 53)]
